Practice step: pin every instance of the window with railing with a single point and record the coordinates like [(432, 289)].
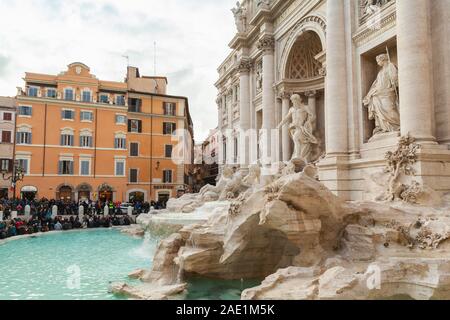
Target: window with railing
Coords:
[(66, 140), (86, 141), (134, 149), (169, 128), (167, 176), (51, 93), (133, 175), (68, 95), (104, 98), (68, 114), (25, 111), (65, 167), (23, 137), (33, 91), (170, 109), (120, 168), (86, 116), (86, 96), (134, 105), (120, 100), (6, 136), (134, 126), (120, 143)]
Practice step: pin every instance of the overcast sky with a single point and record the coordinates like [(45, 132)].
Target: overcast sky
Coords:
[(192, 39)]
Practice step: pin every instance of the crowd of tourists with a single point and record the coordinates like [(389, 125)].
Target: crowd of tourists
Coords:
[(40, 215), (72, 208)]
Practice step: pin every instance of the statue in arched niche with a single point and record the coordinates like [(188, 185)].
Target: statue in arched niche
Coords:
[(382, 99), (301, 129)]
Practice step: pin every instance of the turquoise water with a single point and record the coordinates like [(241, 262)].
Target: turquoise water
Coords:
[(47, 267), (80, 265), (213, 289)]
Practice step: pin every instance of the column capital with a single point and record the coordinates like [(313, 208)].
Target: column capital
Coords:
[(310, 93), (283, 94), (266, 44), (244, 65)]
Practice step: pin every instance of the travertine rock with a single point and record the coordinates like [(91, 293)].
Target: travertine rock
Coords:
[(309, 244)]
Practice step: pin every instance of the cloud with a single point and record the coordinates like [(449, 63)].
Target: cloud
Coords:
[(191, 38)]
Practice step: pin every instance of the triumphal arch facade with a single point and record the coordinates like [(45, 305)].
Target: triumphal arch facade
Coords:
[(368, 72)]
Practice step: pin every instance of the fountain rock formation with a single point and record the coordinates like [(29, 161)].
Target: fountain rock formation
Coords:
[(308, 244)]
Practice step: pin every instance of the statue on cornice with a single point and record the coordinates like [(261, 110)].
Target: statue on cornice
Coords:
[(382, 99), (240, 17), (301, 129), (263, 2), (372, 6)]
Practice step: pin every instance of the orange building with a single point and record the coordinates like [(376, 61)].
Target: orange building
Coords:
[(75, 136)]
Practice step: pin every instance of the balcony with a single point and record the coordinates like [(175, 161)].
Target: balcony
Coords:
[(59, 95)]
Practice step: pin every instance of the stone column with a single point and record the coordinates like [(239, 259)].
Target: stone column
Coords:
[(244, 110), (336, 81), (311, 95), (414, 56), (285, 138), (219, 111), (266, 45)]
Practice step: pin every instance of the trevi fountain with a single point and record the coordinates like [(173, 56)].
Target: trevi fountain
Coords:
[(351, 200)]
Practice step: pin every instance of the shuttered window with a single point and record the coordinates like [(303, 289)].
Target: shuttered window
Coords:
[(170, 109), (65, 167), (169, 127), (133, 175), (134, 149), (134, 126), (67, 140), (167, 176), (6, 136), (23, 138), (86, 141), (67, 114), (168, 151)]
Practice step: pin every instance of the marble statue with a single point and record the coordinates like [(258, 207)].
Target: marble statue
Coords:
[(240, 17), (254, 176), (227, 174), (301, 129), (259, 79), (371, 6), (382, 99)]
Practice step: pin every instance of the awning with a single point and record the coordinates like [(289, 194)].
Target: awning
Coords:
[(28, 189)]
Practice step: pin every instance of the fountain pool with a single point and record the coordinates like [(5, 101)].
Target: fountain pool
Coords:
[(80, 265)]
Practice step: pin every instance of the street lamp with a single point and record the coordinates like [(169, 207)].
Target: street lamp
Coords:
[(16, 175)]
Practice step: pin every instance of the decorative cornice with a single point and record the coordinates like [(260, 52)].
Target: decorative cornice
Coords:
[(366, 34)]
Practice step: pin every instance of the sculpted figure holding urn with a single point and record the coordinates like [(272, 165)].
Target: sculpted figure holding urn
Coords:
[(382, 100)]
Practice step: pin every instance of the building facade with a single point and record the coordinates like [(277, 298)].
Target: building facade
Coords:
[(327, 52), (7, 127), (74, 132), (206, 164), (160, 140)]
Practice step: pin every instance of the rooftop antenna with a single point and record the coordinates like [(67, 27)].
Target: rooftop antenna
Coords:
[(154, 57), (128, 59)]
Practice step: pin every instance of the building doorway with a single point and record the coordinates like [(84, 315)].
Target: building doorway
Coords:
[(65, 194), (3, 193), (105, 193), (163, 197), (84, 192), (136, 197)]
